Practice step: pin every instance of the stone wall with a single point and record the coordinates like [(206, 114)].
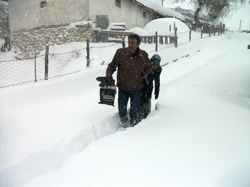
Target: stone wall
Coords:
[(29, 41)]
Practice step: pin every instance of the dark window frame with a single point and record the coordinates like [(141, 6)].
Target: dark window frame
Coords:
[(118, 3), (43, 4)]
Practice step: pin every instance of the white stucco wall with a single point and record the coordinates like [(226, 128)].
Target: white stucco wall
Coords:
[(129, 13), (27, 14)]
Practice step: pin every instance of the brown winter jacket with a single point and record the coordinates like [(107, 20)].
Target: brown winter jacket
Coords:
[(130, 69)]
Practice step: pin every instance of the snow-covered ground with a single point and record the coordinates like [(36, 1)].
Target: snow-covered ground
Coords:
[(54, 133)]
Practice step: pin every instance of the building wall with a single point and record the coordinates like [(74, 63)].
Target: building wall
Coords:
[(27, 14), (31, 25), (129, 13)]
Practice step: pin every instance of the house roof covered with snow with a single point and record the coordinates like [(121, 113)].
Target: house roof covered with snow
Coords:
[(159, 8)]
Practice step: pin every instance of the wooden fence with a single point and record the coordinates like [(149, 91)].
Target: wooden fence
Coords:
[(212, 29), (162, 39), (118, 36)]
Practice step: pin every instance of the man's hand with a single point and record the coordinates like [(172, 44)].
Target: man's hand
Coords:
[(156, 95)]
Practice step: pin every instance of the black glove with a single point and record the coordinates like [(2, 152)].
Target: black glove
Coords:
[(142, 74), (156, 95), (105, 81)]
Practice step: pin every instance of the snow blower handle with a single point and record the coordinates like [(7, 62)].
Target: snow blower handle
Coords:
[(106, 81)]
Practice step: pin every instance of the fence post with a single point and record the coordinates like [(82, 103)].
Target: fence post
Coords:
[(190, 35), (35, 66), (150, 39), (46, 60), (123, 42), (221, 28), (98, 36), (161, 39), (87, 57), (156, 41), (175, 33)]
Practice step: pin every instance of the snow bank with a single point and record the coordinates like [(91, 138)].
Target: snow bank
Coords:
[(54, 121), (81, 23), (199, 131), (162, 25), (139, 31)]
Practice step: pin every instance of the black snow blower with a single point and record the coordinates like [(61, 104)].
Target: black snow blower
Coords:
[(107, 90)]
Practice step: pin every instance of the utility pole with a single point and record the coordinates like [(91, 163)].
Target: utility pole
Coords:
[(162, 2), (249, 13)]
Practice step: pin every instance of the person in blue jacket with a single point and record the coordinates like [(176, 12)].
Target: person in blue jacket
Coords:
[(146, 94)]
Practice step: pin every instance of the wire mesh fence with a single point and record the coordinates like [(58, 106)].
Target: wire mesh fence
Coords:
[(17, 72), (102, 53), (61, 64)]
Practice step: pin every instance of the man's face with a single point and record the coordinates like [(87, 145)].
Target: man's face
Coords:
[(132, 45)]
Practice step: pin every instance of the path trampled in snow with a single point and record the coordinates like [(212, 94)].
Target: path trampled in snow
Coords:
[(198, 136)]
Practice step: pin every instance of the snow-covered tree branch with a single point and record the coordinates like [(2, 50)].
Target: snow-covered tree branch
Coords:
[(214, 9)]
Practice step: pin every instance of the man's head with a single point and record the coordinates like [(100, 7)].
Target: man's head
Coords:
[(134, 41)]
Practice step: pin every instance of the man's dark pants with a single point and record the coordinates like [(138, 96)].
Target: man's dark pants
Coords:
[(123, 97)]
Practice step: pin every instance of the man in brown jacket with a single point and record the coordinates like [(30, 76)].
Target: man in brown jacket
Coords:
[(133, 64)]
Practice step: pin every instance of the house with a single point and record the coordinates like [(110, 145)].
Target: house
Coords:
[(26, 14), (31, 22), (189, 15)]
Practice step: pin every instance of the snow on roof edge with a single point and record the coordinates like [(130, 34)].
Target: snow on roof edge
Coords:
[(157, 7)]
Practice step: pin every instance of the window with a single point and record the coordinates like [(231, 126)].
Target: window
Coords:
[(118, 3), (43, 4), (144, 14)]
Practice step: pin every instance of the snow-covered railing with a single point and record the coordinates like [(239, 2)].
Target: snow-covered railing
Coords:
[(104, 35), (162, 39)]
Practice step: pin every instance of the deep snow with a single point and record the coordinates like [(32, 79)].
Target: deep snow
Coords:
[(54, 133)]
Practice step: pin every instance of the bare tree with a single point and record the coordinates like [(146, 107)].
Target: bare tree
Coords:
[(218, 8), (4, 25), (199, 6), (213, 8)]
